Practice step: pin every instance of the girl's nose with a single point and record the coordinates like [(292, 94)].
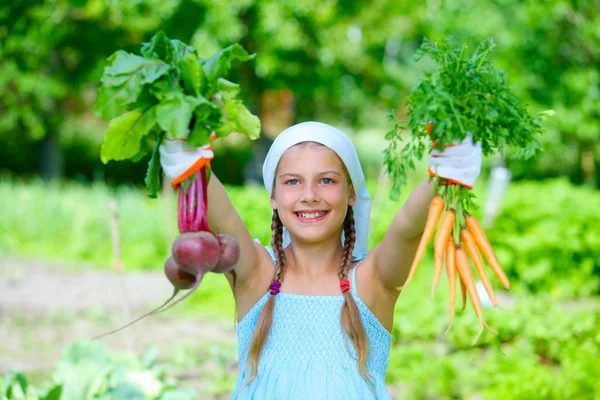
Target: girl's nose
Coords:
[(309, 194)]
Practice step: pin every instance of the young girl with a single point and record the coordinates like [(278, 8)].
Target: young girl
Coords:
[(315, 313)]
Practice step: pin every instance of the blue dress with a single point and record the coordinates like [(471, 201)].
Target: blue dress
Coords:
[(305, 356)]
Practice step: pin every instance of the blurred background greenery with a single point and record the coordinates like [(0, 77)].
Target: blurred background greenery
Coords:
[(349, 64)]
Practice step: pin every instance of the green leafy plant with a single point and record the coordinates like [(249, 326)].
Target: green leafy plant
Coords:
[(550, 243), (86, 370), (169, 92), (464, 94), (547, 351)]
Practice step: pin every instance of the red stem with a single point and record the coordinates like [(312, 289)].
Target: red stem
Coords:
[(204, 186), (180, 207), (191, 194), (183, 223), (192, 206), (199, 213)]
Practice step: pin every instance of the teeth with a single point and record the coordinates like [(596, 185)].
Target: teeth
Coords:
[(310, 215)]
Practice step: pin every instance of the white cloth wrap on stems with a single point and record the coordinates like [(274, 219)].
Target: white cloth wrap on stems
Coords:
[(179, 160), (459, 163)]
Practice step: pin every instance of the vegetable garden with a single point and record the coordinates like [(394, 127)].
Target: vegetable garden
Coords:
[(503, 298)]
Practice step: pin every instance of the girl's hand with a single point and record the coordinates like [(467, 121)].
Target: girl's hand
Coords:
[(458, 163), (179, 160)]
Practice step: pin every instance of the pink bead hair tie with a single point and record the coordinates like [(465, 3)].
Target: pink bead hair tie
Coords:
[(275, 286), (345, 285)]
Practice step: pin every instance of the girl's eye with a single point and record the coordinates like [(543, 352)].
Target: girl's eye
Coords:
[(327, 181), (292, 182)]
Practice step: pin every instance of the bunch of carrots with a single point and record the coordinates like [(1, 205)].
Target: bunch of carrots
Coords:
[(456, 251), (465, 94), (459, 239)]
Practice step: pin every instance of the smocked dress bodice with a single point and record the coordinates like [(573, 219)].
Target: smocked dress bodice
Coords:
[(308, 356)]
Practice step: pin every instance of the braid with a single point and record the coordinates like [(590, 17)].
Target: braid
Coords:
[(350, 315), (265, 321), (277, 244), (350, 239)]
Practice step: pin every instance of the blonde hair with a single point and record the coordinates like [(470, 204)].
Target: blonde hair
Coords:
[(349, 315)]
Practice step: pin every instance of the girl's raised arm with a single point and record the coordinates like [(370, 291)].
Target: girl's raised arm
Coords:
[(395, 254), (224, 218)]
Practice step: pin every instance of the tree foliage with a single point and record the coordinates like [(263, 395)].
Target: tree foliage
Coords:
[(344, 61)]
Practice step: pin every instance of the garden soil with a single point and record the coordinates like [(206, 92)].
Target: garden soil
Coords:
[(45, 305)]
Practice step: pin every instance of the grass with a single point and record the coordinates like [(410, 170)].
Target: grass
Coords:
[(71, 221)]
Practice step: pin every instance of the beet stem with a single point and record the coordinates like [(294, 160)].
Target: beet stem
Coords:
[(180, 208), (202, 201), (205, 202), (200, 205), (191, 194), (184, 221), (198, 213)]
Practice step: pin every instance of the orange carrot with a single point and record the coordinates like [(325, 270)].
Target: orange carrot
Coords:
[(451, 270), (471, 247), (464, 270), (444, 233), (486, 248), (435, 210), (463, 293)]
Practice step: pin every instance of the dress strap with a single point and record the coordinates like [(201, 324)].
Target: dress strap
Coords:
[(271, 253), (353, 286), (274, 258)]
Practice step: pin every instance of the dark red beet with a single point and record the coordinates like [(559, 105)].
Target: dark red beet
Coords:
[(180, 279), (196, 252), (229, 253)]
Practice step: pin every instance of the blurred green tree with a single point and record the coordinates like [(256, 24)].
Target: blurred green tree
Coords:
[(551, 52), (52, 50), (341, 61), (556, 51)]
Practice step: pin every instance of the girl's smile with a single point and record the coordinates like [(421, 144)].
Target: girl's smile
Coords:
[(310, 216)]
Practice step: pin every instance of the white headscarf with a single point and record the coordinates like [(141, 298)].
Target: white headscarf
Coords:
[(337, 141)]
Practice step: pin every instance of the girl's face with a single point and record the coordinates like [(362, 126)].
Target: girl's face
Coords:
[(312, 192)]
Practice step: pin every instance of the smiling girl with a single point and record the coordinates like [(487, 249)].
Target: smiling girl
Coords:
[(315, 313)]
